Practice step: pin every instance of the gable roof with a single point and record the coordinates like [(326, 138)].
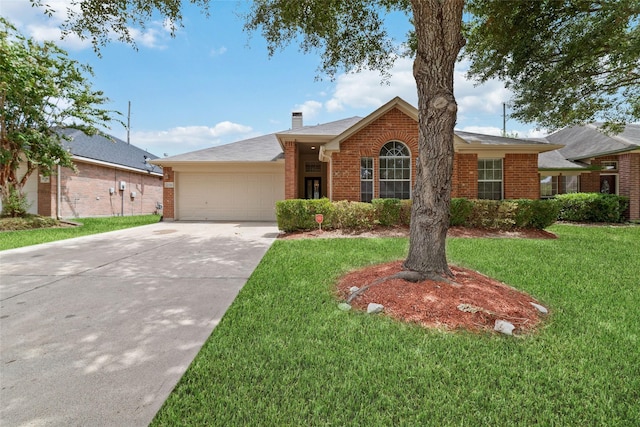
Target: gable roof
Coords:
[(259, 149), (583, 142), (467, 139), (270, 148), (266, 148), (554, 160), (397, 102), (107, 149)]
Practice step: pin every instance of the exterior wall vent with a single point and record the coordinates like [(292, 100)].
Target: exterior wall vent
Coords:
[(296, 120)]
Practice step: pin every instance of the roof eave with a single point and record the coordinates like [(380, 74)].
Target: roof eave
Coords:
[(606, 153), (510, 148), (114, 165), (397, 102)]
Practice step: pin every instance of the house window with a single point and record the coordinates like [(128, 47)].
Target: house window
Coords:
[(552, 185), (490, 179), (312, 167), (548, 186), (395, 171), (609, 165), (366, 179)]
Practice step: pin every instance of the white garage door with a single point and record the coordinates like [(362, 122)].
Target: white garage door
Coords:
[(228, 196)]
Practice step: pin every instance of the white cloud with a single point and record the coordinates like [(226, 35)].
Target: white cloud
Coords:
[(364, 90), (153, 37), (310, 109), (484, 130), (183, 139), (536, 133), (218, 51), (33, 23)]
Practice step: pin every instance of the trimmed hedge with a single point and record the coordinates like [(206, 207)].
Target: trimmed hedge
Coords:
[(299, 214), (592, 207)]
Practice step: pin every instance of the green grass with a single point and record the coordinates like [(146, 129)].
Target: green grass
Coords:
[(18, 239), (285, 355)]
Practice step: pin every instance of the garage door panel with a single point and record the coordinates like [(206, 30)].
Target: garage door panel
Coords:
[(225, 196)]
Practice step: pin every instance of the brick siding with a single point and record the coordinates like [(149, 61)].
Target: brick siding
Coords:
[(168, 198), (521, 179), (629, 185), (393, 126), (85, 193), (465, 176)]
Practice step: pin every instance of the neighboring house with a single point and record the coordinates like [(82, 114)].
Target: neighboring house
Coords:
[(113, 178), (592, 161), (355, 159)]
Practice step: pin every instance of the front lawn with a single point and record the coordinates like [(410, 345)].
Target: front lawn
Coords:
[(285, 355), (20, 238)]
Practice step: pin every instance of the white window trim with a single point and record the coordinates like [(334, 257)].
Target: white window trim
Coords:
[(373, 177), (397, 157), (501, 180)]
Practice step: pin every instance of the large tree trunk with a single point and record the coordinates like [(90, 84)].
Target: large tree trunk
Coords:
[(439, 40)]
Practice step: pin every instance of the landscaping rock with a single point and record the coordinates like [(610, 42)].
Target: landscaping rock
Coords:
[(344, 306), (504, 327), (374, 308), (540, 308), (354, 289)]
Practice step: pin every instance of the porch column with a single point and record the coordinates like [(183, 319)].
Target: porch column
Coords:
[(168, 194), (290, 170), (629, 184)]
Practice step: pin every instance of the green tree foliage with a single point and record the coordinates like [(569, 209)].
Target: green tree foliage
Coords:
[(41, 89), (567, 62)]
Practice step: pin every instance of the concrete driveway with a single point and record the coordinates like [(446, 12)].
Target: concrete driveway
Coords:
[(98, 330)]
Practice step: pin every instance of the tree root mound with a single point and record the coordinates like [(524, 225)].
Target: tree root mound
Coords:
[(472, 302)]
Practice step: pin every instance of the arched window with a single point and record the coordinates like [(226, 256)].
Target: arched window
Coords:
[(395, 171)]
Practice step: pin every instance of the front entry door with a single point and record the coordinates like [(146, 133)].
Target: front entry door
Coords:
[(312, 188), (608, 184)]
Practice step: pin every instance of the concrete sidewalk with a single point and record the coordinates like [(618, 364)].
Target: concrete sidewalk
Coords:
[(98, 330)]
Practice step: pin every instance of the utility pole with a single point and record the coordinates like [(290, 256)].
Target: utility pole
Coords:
[(129, 124), (504, 119)]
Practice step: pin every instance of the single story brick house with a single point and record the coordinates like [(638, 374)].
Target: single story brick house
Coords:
[(353, 159), (590, 160), (114, 178)]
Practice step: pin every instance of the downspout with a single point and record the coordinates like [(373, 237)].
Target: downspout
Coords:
[(58, 197)]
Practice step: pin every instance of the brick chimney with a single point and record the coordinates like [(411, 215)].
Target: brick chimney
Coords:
[(296, 120)]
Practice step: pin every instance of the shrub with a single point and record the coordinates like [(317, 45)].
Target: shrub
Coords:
[(536, 213), (300, 214), (405, 212), (387, 211), (460, 211), (15, 204), (354, 215), (592, 207)]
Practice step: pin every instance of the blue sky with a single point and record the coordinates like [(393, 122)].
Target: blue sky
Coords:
[(213, 83)]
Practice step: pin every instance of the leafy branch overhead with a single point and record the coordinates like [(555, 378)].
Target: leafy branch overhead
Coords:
[(565, 62), (41, 89)]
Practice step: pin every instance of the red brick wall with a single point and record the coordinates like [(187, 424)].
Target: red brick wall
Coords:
[(290, 170), (590, 182), (345, 170), (629, 184), (47, 196), (521, 179), (465, 176), (168, 192), (85, 193)]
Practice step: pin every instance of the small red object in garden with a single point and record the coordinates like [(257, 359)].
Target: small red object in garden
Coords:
[(319, 219)]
